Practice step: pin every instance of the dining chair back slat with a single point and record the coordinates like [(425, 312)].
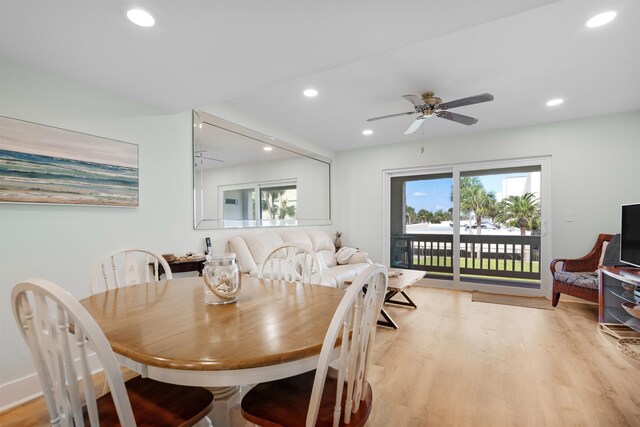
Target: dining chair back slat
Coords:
[(47, 336), (128, 266), (291, 262)]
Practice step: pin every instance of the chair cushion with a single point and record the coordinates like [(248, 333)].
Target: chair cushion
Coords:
[(285, 402), (155, 403), (585, 280), (612, 253)]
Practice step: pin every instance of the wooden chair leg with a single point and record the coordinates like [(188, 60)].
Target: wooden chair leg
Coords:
[(555, 298)]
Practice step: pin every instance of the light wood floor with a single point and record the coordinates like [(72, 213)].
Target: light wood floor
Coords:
[(454, 362)]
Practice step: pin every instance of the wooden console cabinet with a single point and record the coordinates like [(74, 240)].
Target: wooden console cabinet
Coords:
[(612, 295)]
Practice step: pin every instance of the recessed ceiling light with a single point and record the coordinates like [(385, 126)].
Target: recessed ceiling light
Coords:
[(601, 19), (554, 102), (367, 132), (140, 17), (268, 148), (310, 93)]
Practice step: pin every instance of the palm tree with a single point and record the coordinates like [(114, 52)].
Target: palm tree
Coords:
[(269, 202), (285, 210), (424, 215), (520, 211), (410, 214), (468, 184), (474, 197)]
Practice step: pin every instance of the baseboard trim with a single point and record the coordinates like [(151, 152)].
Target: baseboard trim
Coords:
[(22, 390), (19, 391)]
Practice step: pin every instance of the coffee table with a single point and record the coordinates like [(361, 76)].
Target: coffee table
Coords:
[(397, 285)]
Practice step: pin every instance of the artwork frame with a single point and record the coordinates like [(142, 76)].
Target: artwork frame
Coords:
[(42, 164)]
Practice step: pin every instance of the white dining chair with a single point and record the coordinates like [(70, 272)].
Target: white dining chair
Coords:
[(62, 336), (329, 396), (291, 262), (128, 266)]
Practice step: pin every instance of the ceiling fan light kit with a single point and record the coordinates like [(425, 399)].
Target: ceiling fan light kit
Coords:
[(428, 104)]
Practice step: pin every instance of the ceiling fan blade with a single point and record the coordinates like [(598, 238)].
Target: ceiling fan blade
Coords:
[(199, 155), (391, 115), (415, 125), (458, 118), (414, 99), (484, 97)]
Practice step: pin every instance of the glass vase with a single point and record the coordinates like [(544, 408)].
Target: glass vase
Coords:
[(221, 279)]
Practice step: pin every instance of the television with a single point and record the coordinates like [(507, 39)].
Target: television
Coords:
[(630, 235)]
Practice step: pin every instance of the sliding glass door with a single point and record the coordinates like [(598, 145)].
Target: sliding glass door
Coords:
[(471, 226), (421, 223)]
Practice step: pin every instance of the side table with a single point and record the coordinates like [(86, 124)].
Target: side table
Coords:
[(184, 265)]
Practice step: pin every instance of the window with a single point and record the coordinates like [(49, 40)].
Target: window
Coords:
[(272, 202), (278, 202)]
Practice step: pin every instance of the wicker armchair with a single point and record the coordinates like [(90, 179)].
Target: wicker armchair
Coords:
[(587, 263)]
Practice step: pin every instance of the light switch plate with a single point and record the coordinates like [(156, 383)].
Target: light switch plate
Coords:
[(569, 216)]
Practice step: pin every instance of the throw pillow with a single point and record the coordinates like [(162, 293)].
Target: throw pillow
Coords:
[(612, 254)]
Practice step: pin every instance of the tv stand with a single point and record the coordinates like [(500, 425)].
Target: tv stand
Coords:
[(612, 295)]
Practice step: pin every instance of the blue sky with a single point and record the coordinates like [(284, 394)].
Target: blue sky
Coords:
[(435, 194)]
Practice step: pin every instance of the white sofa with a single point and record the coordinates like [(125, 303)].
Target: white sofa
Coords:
[(252, 248)]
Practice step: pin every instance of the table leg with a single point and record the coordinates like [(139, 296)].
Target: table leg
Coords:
[(391, 294), (388, 321), (226, 406)]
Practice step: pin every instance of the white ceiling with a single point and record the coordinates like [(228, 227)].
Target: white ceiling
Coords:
[(256, 57)]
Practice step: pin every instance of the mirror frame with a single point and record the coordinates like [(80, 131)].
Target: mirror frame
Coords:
[(202, 223)]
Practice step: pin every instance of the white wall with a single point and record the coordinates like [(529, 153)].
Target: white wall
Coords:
[(595, 169), (63, 243)]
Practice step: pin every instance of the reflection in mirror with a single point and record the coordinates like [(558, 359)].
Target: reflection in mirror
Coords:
[(242, 178)]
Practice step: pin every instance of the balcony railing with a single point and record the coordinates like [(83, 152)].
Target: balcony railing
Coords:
[(515, 257)]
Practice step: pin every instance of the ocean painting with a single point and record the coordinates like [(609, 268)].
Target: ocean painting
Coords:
[(43, 164)]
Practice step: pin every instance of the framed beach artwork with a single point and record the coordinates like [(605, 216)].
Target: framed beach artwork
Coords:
[(44, 164)]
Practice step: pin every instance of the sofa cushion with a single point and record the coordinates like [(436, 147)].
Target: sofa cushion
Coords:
[(323, 245), (336, 276), (584, 280), (260, 244), (244, 259), (296, 236)]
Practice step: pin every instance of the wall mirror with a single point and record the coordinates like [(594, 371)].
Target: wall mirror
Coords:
[(242, 178)]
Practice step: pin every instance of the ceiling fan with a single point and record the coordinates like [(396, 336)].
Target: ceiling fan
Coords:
[(199, 154), (428, 105)]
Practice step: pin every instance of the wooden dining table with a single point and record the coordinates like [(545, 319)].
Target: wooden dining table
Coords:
[(165, 331)]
